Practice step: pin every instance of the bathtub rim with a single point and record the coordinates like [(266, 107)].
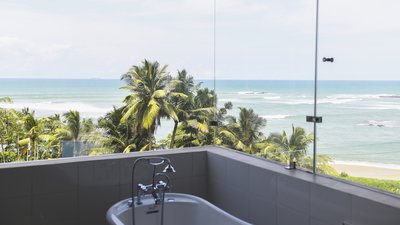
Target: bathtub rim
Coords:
[(121, 206)]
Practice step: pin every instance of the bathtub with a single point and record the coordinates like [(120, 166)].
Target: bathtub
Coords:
[(179, 209)]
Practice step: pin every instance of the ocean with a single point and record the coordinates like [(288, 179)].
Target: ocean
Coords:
[(361, 119)]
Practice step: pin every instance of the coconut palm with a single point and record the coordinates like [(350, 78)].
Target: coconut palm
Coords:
[(148, 102), (56, 132), (182, 103), (243, 132), (34, 129), (194, 105), (121, 136), (294, 146), (73, 121), (250, 126)]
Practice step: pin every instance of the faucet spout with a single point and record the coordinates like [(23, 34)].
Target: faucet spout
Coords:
[(157, 199)]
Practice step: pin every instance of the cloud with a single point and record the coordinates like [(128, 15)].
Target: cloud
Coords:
[(7, 41), (254, 37)]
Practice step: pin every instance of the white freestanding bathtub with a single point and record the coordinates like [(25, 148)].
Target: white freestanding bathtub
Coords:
[(179, 209)]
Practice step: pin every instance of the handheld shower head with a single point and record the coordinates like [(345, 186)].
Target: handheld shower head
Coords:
[(169, 169)]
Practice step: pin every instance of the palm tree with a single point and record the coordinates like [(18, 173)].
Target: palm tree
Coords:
[(184, 101), (184, 85), (148, 102), (120, 136), (295, 146), (34, 129), (250, 126), (195, 109), (242, 133), (73, 121), (57, 131)]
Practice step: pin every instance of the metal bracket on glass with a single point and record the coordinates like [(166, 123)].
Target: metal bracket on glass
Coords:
[(314, 119), (328, 59)]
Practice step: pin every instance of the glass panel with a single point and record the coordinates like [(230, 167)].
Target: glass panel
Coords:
[(360, 92), (78, 67), (265, 72)]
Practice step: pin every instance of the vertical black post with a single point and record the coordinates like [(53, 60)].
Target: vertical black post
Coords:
[(214, 69), (315, 90)]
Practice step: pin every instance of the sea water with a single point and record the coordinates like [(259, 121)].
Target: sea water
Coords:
[(361, 119)]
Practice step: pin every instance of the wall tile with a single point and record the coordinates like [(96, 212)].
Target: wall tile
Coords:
[(262, 210), (216, 193), (287, 216), (294, 193), (236, 202), (199, 163), (238, 175), (263, 182), (15, 211), (52, 208), (55, 178), (93, 204), (182, 185), (125, 191), (143, 171), (183, 164), (317, 222), (15, 182), (97, 174), (217, 167), (366, 212), (330, 205), (199, 187)]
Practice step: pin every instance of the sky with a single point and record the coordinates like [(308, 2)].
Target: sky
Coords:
[(255, 39)]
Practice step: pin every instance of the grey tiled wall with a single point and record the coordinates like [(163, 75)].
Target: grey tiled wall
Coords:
[(264, 193), (80, 192)]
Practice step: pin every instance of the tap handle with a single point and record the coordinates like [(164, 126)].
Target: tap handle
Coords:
[(161, 184), (142, 187)]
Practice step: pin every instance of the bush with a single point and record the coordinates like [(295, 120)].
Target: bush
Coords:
[(343, 174), (392, 186)]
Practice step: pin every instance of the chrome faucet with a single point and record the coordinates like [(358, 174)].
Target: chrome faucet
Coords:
[(157, 190)]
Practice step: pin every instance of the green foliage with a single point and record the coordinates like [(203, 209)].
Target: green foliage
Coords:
[(323, 165), (295, 146), (155, 94), (9, 156), (73, 120), (148, 101), (343, 174), (392, 186)]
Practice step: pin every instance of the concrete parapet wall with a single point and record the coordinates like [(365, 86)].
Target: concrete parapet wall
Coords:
[(264, 193), (80, 190)]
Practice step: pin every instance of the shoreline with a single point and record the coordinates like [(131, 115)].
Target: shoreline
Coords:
[(368, 169)]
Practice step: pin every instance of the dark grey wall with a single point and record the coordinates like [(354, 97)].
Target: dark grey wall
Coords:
[(80, 190), (265, 193)]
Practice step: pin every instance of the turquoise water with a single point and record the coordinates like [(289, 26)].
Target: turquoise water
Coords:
[(361, 119)]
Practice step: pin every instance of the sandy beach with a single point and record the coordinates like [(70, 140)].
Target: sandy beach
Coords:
[(359, 169)]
